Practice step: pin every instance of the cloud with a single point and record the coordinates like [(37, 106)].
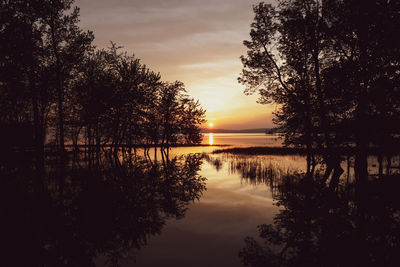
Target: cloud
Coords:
[(198, 42)]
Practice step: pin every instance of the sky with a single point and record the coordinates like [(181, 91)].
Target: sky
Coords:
[(198, 42)]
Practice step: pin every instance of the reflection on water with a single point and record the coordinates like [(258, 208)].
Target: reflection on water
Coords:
[(242, 139), (351, 224), (95, 209), (355, 225), (211, 234), (111, 208)]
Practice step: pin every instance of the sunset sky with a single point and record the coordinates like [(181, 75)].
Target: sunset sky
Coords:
[(198, 42)]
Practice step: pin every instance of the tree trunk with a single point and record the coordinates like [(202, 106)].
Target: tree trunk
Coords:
[(38, 132), (61, 116)]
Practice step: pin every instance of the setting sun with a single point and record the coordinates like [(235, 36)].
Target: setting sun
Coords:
[(211, 124)]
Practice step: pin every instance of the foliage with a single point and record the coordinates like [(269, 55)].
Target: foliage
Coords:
[(332, 68), (56, 81)]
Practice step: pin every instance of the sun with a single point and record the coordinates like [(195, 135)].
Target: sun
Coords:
[(211, 124)]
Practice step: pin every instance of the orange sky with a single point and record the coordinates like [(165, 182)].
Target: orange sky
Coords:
[(198, 42)]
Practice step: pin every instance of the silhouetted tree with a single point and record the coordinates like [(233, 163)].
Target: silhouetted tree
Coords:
[(284, 65), (133, 107), (323, 63), (41, 45), (180, 115), (55, 82), (20, 58), (66, 45), (366, 65), (191, 118)]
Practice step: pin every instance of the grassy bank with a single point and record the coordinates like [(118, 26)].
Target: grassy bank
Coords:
[(301, 151), (262, 151)]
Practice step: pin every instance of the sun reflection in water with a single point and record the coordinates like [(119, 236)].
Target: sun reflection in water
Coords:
[(211, 139)]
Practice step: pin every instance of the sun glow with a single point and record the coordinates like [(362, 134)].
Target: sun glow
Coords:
[(211, 139), (211, 124)]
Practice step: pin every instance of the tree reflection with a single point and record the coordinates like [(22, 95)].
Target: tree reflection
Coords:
[(351, 223), (97, 208)]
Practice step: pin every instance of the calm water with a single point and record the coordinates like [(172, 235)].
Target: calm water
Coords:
[(194, 208), (213, 230), (240, 196), (242, 139)]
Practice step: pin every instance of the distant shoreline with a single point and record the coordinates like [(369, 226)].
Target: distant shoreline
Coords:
[(147, 146), (258, 130)]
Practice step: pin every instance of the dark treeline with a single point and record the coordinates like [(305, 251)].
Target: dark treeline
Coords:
[(332, 68), (91, 212), (57, 89)]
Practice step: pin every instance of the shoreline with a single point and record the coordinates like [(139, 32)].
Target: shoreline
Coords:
[(264, 150)]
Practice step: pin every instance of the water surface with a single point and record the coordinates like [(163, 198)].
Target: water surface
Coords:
[(189, 207), (213, 229), (242, 139)]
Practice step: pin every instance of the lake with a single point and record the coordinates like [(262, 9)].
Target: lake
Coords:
[(240, 196), (191, 207), (213, 230), (242, 139)]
